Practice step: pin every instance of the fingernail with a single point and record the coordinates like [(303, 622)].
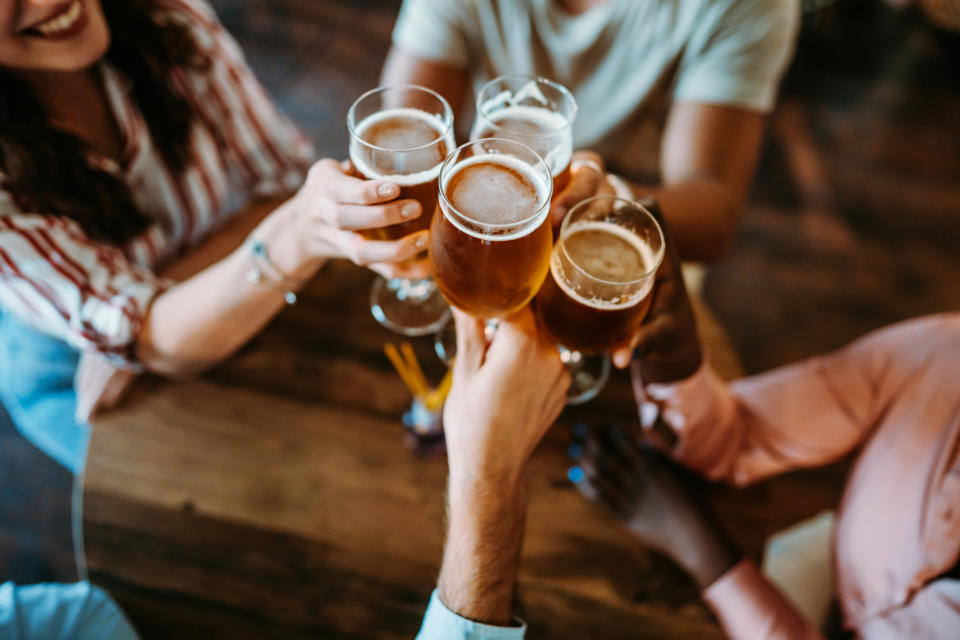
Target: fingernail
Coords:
[(410, 209), (575, 474), (388, 190), (421, 242), (575, 450)]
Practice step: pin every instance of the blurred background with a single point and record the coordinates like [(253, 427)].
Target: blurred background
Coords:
[(853, 223)]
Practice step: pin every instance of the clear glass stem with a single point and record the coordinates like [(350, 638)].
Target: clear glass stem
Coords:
[(589, 374)]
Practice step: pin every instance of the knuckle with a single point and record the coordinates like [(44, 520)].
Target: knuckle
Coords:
[(340, 217)]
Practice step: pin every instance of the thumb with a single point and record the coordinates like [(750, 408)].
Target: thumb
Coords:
[(471, 342)]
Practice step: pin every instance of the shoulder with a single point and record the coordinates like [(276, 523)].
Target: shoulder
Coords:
[(198, 10), (736, 14), (447, 10), (199, 17)]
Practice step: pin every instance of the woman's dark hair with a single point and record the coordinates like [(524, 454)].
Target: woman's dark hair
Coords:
[(46, 170)]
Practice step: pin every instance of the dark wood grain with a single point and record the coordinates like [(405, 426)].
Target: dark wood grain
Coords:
[(277, 490)]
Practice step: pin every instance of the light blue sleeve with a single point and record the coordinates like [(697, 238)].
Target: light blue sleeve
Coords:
[(739, 52), (439, 623), (433, 30), (78, 611)]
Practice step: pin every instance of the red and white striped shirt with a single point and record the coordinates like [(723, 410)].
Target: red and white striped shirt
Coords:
[(94, 295)]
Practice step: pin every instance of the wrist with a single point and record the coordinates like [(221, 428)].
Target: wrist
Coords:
[(711, 557), (282, 235), (470, 485), (673, 367)]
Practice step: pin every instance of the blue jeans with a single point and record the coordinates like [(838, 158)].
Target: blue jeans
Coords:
[(36, 388)]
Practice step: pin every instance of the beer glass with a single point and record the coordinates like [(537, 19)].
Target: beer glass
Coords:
[(403, 134), (490, 244), (600, 286), (535, 111)]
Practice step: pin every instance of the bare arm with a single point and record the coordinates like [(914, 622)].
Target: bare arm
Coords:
[(481, 556), (708, 156), (502, 401), (213, 313)]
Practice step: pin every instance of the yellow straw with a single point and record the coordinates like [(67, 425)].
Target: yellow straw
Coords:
[(401, 367), (415, 369), (434, 399)]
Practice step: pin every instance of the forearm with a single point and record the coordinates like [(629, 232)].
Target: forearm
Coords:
[(749, 606), (702, 213), (210, 315), (482, 553)]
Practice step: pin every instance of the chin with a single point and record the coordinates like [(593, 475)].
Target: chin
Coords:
[(80, 52), (88, 50)]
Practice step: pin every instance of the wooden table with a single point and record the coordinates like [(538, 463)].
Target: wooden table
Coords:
[(275, 498)]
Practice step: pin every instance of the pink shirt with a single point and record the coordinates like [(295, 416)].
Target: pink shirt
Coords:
[(894, 398), (94, 295)]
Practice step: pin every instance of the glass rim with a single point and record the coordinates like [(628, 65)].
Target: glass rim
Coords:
[(555, 85), (447, 117), (561, 245), (453, 157)]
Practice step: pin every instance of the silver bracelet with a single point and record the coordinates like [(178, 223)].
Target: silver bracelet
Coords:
[(264, 267)]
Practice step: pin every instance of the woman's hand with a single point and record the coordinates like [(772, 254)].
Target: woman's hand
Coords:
[(333, 206), (99, 386), (588, 178)]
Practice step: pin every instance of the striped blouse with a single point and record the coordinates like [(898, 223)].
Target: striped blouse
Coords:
[(95, 295)]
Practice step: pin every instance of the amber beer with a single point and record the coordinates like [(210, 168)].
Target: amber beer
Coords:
[(601, 275), (406, 146), (490, 248), (543, 130)]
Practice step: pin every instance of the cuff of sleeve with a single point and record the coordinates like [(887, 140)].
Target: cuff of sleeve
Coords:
[(440, 623), (113, 324), (749, 606)]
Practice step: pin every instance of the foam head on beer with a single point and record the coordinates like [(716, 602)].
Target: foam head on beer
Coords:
[(496, 192), (606, 254), (533, 111), (405, 145)]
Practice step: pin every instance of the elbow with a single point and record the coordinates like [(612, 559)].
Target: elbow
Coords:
[(712, 243), (168, 360), (716, 246)]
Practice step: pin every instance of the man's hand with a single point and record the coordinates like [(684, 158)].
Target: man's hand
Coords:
[(667, 345), (503, 399), (588, 178), (99, 386), (644, 491)]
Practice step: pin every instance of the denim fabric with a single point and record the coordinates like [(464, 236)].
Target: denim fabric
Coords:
[(36, 388)]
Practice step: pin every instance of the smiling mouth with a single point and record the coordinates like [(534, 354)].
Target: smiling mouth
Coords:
[(64, 23)]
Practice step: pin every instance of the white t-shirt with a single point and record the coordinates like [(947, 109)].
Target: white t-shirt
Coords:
[(625, 61)]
